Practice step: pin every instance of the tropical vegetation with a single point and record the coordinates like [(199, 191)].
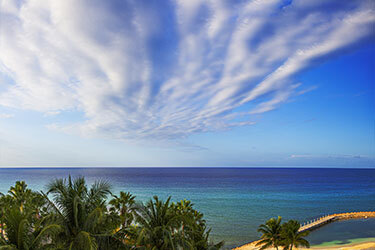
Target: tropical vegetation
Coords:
[(286, 235), (72, 215)]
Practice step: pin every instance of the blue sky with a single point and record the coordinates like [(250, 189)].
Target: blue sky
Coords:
[(187, 83)]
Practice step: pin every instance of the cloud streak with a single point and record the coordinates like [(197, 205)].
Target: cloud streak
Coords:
[(141, 70), (332, 159)]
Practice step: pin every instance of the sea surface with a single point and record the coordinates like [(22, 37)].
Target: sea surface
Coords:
[(236, 200)]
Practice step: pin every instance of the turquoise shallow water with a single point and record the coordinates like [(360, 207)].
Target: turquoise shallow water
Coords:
[(234, 200), (343, 232)]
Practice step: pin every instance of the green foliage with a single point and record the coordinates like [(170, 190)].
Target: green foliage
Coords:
[(24, 198), (193, 229), (292, 237), (80, 212), (271, 233), (166, 225), (157, 222), (124, 206), (23, 225), (71, 215), (286, 235)]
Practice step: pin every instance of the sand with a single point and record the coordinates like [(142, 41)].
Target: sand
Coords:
[(352, 246), (362, 243)]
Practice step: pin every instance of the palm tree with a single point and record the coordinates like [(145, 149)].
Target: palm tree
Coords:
[(124, 205), (121, 213), (78, 218), (292, 237), (20, 193), (193, 231), (81, 212), (271, 231), (157, 225), (23, 197), (20, 210), (23, 232)]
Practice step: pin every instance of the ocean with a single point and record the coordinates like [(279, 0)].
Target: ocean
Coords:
[(236, 200)]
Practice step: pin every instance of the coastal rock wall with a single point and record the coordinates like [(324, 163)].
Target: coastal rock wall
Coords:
[(354, 215)]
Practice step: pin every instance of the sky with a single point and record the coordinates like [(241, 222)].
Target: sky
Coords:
[(158, 83)]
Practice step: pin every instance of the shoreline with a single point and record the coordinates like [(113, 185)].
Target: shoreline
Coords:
[(358, 243), (316, 224), (362, 245)]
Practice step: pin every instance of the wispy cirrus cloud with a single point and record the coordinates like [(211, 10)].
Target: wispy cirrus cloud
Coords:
[(165, 70), (309, 156), (333, 159)]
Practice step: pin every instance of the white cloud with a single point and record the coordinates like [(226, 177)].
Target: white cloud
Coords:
[(332, 157), (141, 70), (312, 156), (349, 160)]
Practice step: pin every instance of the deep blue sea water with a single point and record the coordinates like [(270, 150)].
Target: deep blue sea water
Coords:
[(234, 200)]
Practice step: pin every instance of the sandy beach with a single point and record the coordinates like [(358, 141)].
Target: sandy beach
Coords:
[(351, 246), (354, 246)]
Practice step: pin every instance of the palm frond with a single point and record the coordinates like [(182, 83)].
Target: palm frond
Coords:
[(85, 241), (48, 230)]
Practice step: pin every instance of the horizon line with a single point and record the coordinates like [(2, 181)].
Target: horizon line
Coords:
[(255, 167)]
